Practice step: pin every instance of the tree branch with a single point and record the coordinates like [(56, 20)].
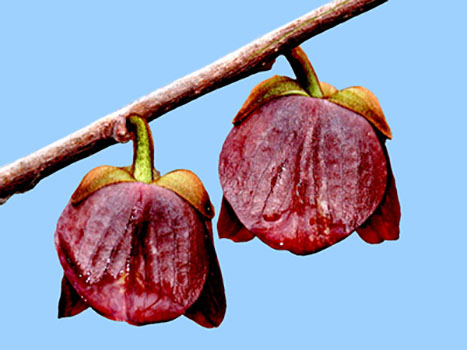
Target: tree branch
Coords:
[(23, 174)]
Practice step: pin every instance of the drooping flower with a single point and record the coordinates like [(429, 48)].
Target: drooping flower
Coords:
[(305, 165), (138, 247)]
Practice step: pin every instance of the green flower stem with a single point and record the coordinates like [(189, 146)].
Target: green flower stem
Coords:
[(304, 71), (143, 150)]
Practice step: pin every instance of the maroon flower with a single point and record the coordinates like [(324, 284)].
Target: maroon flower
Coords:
[(305, 165), (138, 247)]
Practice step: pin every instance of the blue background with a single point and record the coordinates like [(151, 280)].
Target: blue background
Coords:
[(62, 66)]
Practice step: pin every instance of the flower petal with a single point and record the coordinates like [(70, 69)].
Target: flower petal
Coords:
[(70, 303), (228, 225), (135, 251), (209, 309), (188, 186), (383, 224), (266, 91), (365, 103), (302, 173), (97, 178)]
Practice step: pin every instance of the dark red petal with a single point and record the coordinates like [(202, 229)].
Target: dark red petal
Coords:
[(383, 224), (209, 309), (228, 225), (70, 303), (135, 251), (302, 173)]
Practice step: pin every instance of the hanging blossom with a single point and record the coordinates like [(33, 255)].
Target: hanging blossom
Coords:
[(306, 164), (138, 247)]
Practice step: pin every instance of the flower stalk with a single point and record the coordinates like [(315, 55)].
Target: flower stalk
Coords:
[(143, 150), (306, 75)]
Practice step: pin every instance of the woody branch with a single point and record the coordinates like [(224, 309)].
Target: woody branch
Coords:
[(23, 174)]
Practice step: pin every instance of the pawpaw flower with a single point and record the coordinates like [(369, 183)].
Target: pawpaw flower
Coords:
[(305, 165), (138, 247)]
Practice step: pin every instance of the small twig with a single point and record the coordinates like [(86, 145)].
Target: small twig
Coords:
[(259, 55)]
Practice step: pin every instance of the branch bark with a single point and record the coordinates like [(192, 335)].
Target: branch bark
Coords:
[(23, 174)]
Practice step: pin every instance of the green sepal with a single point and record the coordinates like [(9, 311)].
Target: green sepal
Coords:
[(183, 182), (187, 185), (364, 102), (327, 89), (99, 177), (272, 88)]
